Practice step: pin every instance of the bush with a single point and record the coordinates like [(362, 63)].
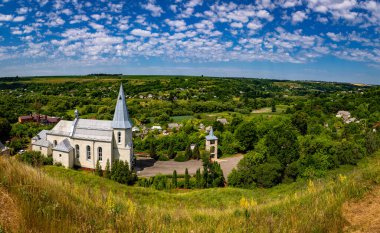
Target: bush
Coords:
[(163, 158), (181, 157), (34, 158)]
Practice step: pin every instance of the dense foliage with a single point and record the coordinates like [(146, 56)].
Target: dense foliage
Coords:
[(288, 130)]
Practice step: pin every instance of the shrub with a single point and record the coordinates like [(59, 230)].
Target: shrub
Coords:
[(35, 158), (180, 157)]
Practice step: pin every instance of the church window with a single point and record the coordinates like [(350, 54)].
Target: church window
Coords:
[(88, 149), (100, 153), (77, 151), (118, 137), (212, 142), (55, 142), (40, 147)]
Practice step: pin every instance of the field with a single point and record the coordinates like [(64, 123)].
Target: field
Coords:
[(54, 198)]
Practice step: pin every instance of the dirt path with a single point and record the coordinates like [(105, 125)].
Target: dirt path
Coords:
[(10, 217), (363, 215)]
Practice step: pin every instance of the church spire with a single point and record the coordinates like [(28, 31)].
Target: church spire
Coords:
[(121, 117)]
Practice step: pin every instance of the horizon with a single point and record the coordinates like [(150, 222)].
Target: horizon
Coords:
[(325, 40)]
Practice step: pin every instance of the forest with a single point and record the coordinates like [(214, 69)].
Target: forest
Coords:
[(287, 130)]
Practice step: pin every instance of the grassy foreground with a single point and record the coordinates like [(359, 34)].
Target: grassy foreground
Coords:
[(54, 199)]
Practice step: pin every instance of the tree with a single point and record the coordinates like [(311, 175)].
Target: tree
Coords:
[(299, 120), (5, 129), (187, 179), (153, 150), (98, 169), (281, 142), (246, 134), (196, 153), (188, 153), (218, 126), (174, 179), (274, 107), (107, 172), (171, 153), (268, 174), (198, 178)]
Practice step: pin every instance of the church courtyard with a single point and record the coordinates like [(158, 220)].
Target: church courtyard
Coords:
[(147, 167)]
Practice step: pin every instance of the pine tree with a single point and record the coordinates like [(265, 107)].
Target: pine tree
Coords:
[(198, 178), (171, 153), (274, 107), (98, 169), (196, 153), (107, 172), (153, 151), (188, 153), (187, 179), (174, 179)]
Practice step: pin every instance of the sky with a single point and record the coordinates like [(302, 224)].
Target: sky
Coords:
[(326, 40)]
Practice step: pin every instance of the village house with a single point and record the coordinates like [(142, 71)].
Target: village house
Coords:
[(83, 142), (346, 117), (172, 126), (222, 120), (39, 118), (156, 127)]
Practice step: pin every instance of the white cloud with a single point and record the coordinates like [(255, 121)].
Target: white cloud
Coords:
[(6, 17), (254, 25), (67, 12), (236, 25), (22, 10), (335, 37), (264, 15), (57, 21), (178, 25), (153, 8), (19, 19), (96, 26), (298, 17), (140, 32)]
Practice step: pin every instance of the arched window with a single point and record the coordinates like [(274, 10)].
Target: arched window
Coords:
[(77, 151), (55, 142), (118, 137), (88, 150), (100, 153)]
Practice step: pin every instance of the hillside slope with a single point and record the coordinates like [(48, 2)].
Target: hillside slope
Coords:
[(54, 199)]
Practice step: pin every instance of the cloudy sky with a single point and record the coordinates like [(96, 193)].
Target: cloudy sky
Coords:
[(330, 40)]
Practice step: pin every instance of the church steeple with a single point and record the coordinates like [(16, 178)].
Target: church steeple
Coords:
[(121, 117)]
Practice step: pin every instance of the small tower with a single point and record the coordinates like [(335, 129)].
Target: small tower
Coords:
[(122, 128), (212, 145)]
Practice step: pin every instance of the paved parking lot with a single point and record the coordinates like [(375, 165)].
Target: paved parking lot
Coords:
[(147, 167)]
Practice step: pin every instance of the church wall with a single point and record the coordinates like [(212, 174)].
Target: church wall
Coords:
[(51, 138), (44, 150), (123, 154), (91, 163), (65, 158)]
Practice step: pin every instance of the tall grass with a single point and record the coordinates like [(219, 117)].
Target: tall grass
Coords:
[(60, 200)]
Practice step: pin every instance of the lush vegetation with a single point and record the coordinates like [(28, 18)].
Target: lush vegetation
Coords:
[(288, 130), (57, 198)]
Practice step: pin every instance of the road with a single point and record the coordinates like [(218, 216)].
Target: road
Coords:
[(147, 167)]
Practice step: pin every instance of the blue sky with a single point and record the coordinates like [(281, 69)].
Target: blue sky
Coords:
[(328, 40)]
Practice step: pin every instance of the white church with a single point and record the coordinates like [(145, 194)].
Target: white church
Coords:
[(82, 142)]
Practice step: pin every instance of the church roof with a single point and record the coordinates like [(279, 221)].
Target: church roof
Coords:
[(211, 135), (64, 146), (41, 135), (100, 130), (121, 117), (42, 142)]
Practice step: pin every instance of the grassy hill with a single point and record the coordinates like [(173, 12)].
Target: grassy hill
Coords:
[(52, 199)]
